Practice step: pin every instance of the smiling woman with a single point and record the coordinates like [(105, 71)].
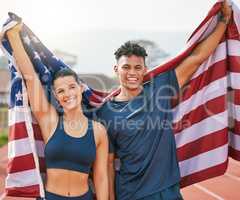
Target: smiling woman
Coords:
[(74, 144)]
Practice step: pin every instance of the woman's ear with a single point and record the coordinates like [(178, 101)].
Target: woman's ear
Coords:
[(54, 94), (82, 87)]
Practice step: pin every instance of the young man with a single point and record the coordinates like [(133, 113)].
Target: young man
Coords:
[(139, 119)]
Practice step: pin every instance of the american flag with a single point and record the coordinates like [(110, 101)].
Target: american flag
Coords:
[(210, 104)]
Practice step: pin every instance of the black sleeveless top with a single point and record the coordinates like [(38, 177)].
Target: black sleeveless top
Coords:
[(73, 153)]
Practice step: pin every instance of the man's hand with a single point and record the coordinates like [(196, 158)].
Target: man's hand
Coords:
[(226, 11)]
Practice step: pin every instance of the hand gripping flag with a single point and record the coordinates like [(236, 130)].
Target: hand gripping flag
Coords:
[(210, 104)]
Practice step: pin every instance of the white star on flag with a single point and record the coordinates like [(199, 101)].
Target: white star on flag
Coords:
[(55, 57), (46, 70), (27, 40), (35, 39), (19, 96), (36, 56)]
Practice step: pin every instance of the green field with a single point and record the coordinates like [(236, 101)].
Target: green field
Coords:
[(3, 137), (3, 120)]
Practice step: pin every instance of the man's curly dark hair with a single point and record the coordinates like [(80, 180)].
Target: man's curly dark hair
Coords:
[(130, 48)]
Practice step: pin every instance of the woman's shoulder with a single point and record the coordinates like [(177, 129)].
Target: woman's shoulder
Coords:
[(99, 131)]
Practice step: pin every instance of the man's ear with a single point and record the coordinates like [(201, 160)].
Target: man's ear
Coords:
[(145, 69), (115, 68)]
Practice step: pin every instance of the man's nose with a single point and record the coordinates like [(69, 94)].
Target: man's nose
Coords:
[(132, 71)]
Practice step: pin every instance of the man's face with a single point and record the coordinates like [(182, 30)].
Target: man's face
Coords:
[(130, 71)]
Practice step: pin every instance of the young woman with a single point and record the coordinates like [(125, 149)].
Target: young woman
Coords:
[(74, 143)]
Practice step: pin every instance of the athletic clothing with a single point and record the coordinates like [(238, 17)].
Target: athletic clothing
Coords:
[(170, 193), (73, 153), (141, 136), (51, 196)]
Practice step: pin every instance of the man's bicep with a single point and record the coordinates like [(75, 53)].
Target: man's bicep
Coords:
[(185, 69)]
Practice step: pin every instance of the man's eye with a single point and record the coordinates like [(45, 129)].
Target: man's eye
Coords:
[(60, 91), (138, 68)]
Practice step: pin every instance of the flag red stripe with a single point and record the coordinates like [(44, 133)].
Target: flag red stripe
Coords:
[(211, 172), (100, 93), (234, 63), (235, 154), (94, 98), (200, 113), (28, 191), (204, 144), (234, 95), (236, 128), (214, 72), (21, 163), (19, 131), (42, 165), (232, 31), (25, 162), (37, 132), (211, 13), (237, 97)]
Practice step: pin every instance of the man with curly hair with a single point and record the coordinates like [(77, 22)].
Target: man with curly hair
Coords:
[(139, 119)]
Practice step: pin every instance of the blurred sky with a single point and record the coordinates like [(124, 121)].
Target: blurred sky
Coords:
[(64, 15), (76, 26)]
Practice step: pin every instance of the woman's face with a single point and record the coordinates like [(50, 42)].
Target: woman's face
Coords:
[(68, 92)]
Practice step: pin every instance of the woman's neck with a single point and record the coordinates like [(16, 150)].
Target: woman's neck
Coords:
[(74, 115)]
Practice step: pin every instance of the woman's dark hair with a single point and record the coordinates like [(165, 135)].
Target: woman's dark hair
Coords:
[(65, 72), (130, 48)]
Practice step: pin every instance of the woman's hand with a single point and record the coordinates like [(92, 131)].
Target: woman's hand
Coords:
[(15, 30)]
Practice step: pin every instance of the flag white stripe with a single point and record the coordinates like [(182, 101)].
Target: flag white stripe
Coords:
[(212, 24), (17, 115), (234, 80), (205, 127), (220, 54), (236, 16), (210, 91), (234, 111), (233, 47), (198, 34), (234, 141), (22, 147), (22, 179), (204, 161)]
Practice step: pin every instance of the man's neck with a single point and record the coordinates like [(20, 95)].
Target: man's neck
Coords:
[(128, 94)]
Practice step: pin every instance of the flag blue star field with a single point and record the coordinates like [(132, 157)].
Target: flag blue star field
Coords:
[(210, 103)]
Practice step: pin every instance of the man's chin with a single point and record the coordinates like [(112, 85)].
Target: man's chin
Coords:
[(134, 87)]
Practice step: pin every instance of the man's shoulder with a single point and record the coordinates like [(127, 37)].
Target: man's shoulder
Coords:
[(104, 108)]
